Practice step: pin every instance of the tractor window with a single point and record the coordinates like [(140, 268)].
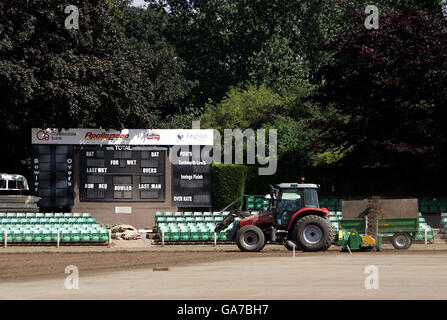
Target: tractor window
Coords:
[(311, 198), (2, 184), (289, 203)]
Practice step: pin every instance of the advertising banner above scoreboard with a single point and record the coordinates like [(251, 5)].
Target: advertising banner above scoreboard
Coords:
[(123, 137)]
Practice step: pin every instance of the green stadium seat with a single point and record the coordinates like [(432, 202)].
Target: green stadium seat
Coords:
[(30, 215), (159, 214), (37, 235), (77, 215), (188, 214), (178, 214), (170, 220), (76, 235), (189, 219), (91, 220), (11, 215), (205, 236), (199, 219), (218, 219), (68, 215), (17, 235), (21, 215), (223, 236), (52, 220), (207, 214), (208, 219), (58, 215), (160, 219), (65, 236), (49, 215), (180, 219), (198, 214), (85, 235), (2, 214), (86, 215), (104, 234), (40, 215), (169, 214), (94, 235), (81, 220), (175, 235), (217, 214)]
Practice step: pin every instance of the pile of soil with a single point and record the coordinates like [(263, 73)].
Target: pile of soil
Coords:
[(374, 213)]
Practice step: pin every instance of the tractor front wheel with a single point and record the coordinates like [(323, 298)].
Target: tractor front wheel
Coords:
[(313, 233), (250, 238)]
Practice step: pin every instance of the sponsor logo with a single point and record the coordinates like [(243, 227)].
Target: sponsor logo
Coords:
[(42, 135), (153, 136), (180, 136), (106, 136)]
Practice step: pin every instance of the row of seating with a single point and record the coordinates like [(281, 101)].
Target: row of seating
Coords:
[(256, 203), (50, 235), (47, 221), (191, 214), (191, 228), (44, 227), (19, 215)]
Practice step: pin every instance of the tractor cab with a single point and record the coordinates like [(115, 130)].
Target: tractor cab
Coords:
[(288, 198)]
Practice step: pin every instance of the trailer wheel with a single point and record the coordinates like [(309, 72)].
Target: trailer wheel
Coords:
[(313, 233), (401, 241), (250, 238)]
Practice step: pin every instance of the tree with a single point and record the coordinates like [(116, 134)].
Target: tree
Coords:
[(143, 31), (54, 77), (389, 87)]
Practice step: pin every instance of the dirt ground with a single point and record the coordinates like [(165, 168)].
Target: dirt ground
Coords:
[(37, 263), (225, 274)]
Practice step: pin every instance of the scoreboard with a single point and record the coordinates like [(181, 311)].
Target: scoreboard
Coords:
[(191, 180), (122, 173), (82, 168), (53, 175)]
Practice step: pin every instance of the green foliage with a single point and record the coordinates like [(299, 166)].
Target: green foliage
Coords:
[(389, 86), (243, 108), (228, 184), (143, 32)]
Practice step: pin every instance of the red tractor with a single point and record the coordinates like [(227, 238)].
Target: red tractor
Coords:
[(294, 218)]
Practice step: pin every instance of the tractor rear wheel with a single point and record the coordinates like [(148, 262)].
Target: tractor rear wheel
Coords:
[(313, 233), (401, 241), (250, 238)]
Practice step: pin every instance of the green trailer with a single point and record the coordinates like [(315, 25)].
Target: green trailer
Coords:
[(398, 221)]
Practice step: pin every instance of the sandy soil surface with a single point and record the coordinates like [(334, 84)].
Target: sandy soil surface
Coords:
[(31, 263), (270, 275)]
